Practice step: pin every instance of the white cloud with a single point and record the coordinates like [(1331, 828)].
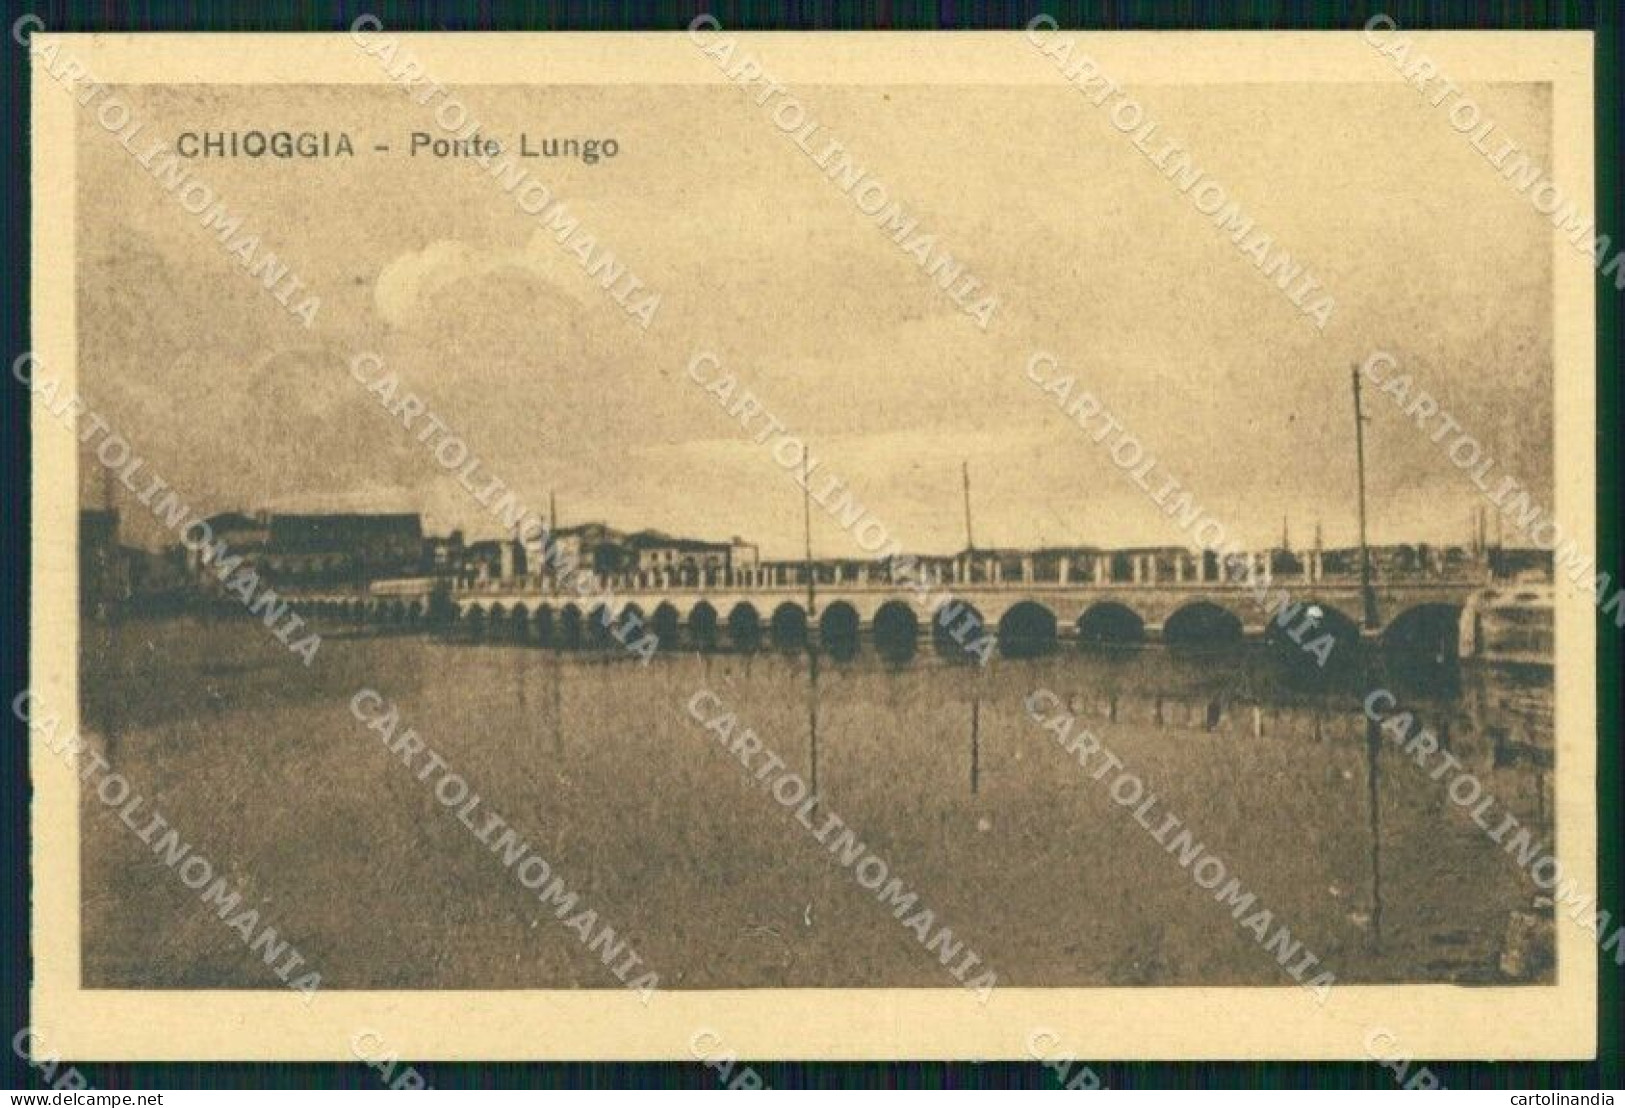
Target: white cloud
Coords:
[(408, 286)]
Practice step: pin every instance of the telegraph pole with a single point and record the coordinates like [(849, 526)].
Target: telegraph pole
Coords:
[(970, 542), (806, 529), (552, 530), (812, 650), (1368, 596)]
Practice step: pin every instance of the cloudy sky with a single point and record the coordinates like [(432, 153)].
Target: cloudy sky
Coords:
[(760, 259)]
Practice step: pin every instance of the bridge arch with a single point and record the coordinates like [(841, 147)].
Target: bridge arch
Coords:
[(1202, 624), (896, 630), (570, 627), (543, 620), (1430, 630), (519, 623), (1299, 629), (1026, 630), (1108, 623), (666, 625), (788, 627), (599, 622), (745, 626), (838, 629), (702, 626), (475, 620), (631, 624), (442, 610)]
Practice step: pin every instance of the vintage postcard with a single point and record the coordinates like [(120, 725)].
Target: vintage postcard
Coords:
[(713, 546)]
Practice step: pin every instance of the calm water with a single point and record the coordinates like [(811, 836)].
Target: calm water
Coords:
[(261, 764)]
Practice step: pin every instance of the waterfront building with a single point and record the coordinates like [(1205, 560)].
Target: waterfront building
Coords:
[(311, 548), (330, 547), (655, 551), (443, 554)]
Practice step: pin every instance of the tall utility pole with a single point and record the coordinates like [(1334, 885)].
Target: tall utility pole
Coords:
[(806, 528), (812, 652), (1368, 596), (552, 544), (970, 541)]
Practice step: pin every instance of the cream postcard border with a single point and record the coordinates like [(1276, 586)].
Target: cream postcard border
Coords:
[(1433, 1022)]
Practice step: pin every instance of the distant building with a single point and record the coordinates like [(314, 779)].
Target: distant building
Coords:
[(335, 547), (593, 547), (743, 555), (600, 549), (115, 577), (103, 580), (312, 549), (443, 554), (241, 534), (1522, 562), (233, 534), (481, 561), (655, 551), (156, 576)]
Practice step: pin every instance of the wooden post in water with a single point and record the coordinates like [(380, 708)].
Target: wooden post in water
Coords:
[(975, 744), (1373, 792)]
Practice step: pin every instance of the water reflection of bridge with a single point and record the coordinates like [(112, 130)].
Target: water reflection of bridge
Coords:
[(746, 611)]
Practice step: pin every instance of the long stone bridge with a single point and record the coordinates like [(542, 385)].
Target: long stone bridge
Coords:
[(749, 608)]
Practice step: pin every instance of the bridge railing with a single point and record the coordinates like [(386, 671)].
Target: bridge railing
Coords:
[(1116, 571)]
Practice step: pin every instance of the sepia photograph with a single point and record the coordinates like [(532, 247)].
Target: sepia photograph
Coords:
[(712, 546)]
